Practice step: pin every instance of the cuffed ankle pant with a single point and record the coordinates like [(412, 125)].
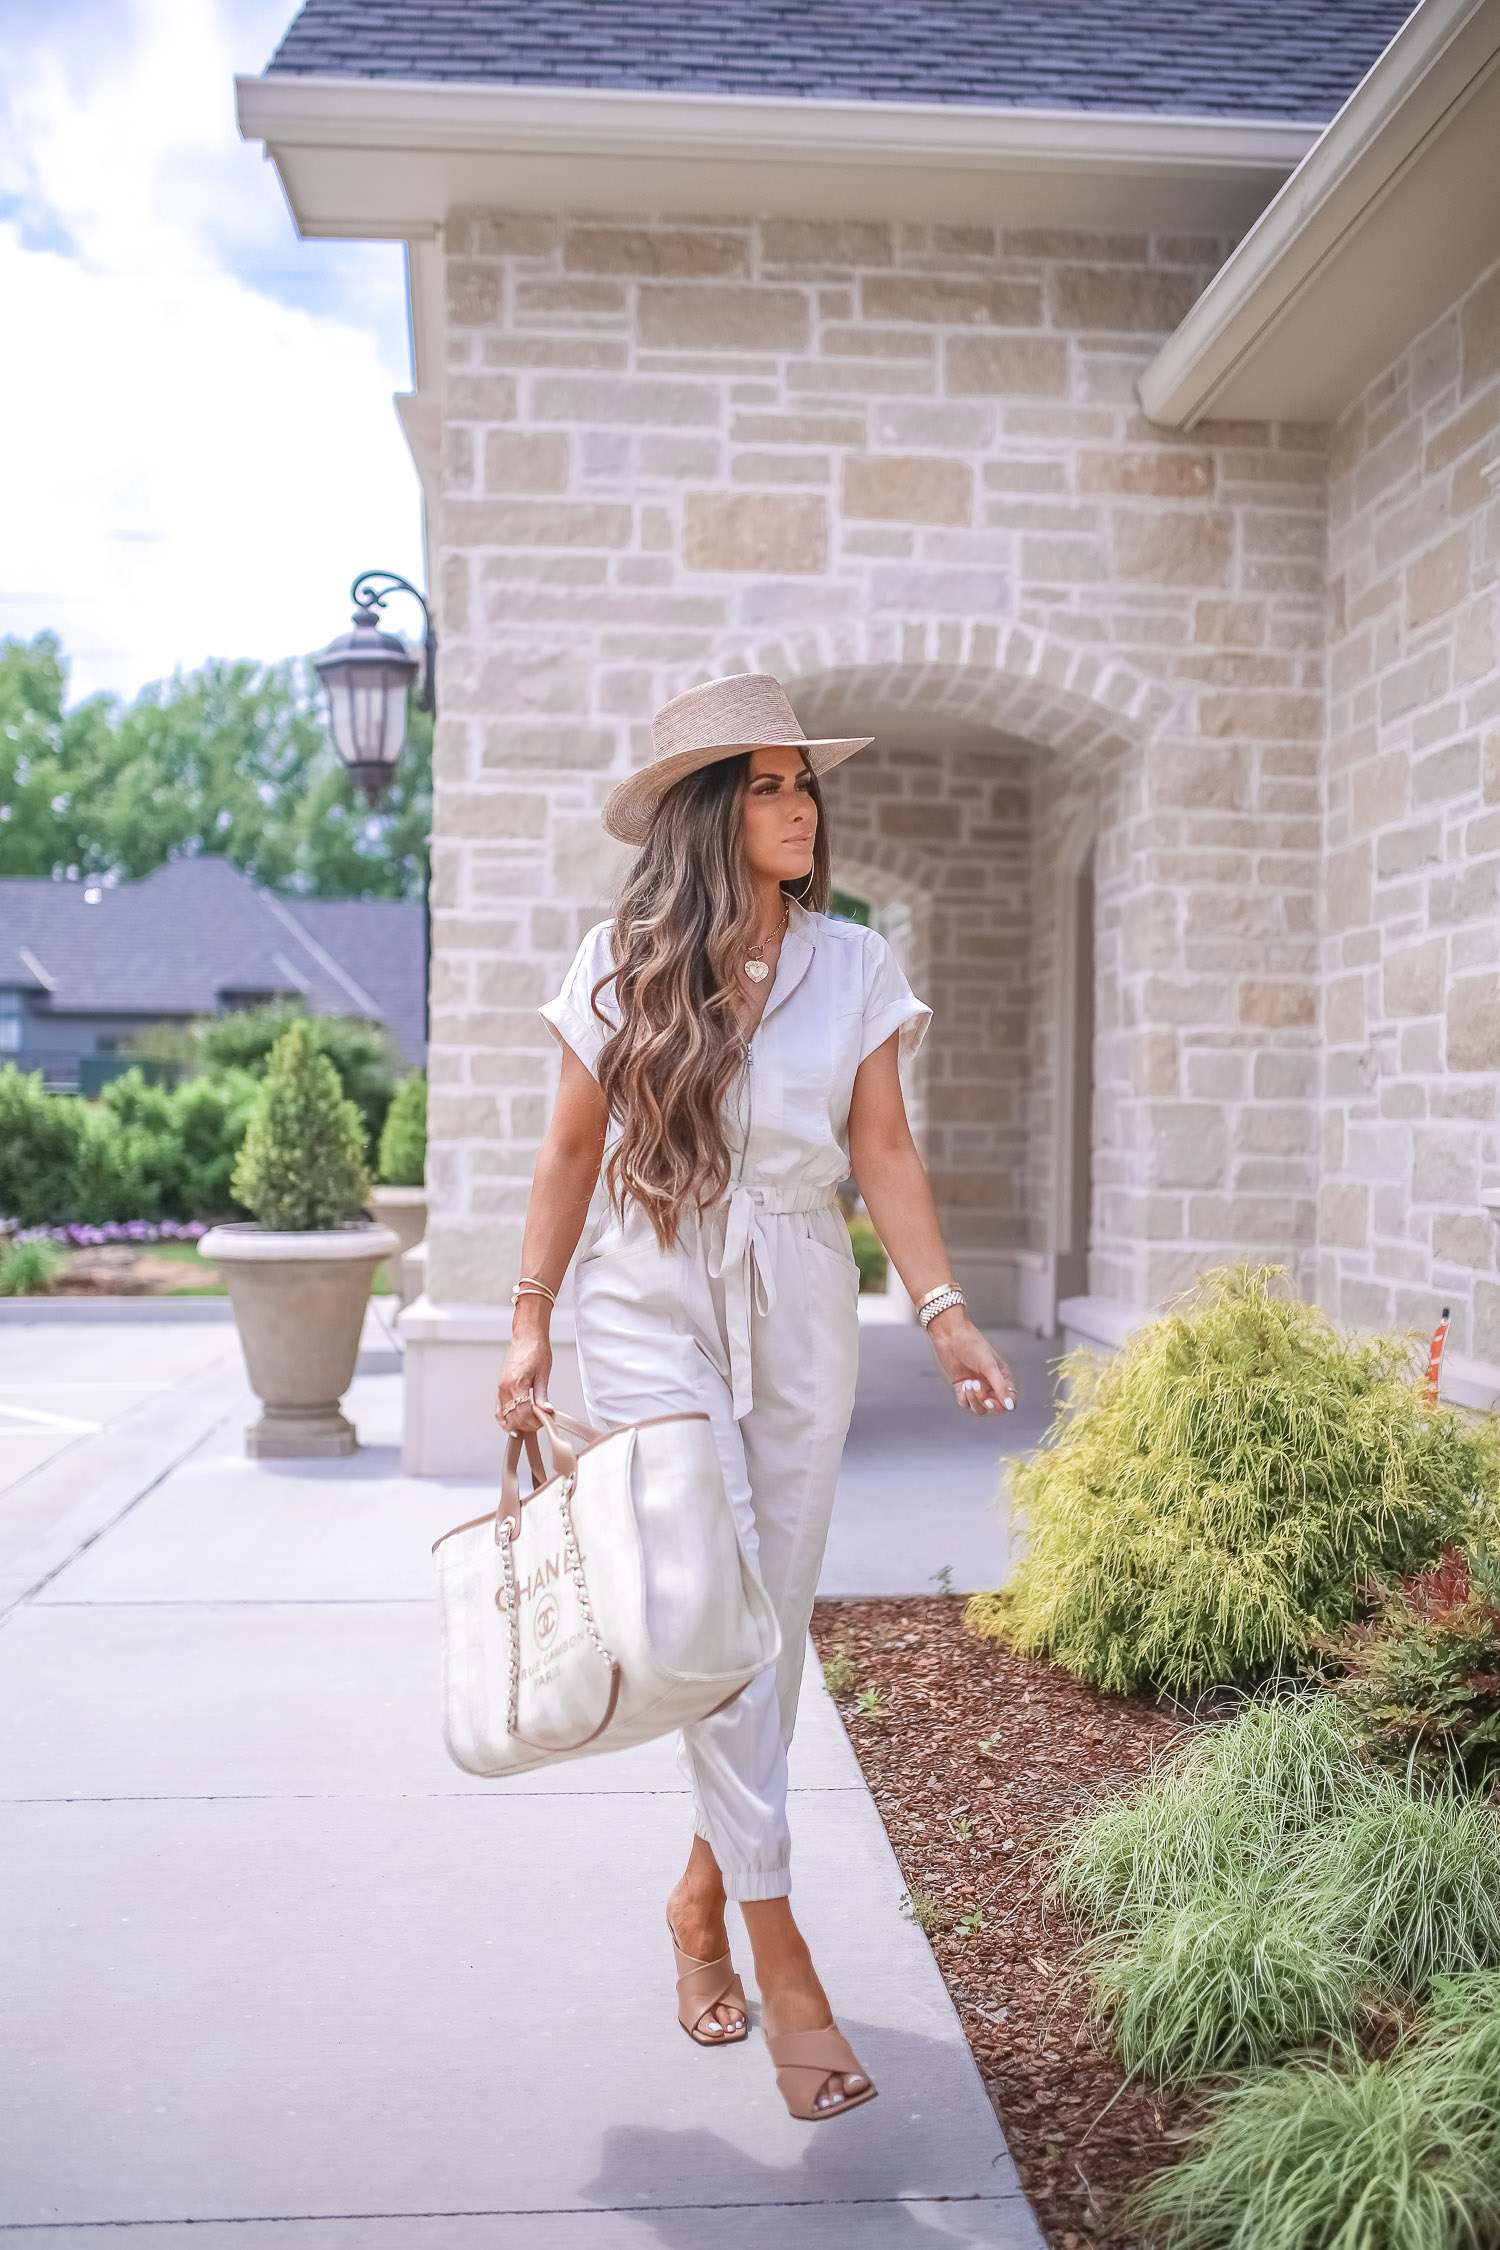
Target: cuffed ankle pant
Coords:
[(752, 1320)]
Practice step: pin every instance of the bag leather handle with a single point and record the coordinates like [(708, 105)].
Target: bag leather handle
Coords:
[(564, 1462)]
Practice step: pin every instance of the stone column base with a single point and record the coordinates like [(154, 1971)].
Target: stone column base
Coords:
[(451, 1371), (1007, 1288), (289, 1433)]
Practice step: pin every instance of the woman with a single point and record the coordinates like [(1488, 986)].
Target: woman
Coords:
[(728, 1054)]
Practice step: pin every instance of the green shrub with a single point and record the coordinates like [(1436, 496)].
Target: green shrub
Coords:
[(180, 1143), (403, 1137), (303, 1162), (869, 1253), (1215, 1497), (1422, 1675), (1398, 2154), (363, 1053), (210, 1117), (40, 1146), (27, 1268), (61, 1159)]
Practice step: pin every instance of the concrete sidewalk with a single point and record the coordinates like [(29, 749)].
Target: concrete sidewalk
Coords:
[(278, 1973)]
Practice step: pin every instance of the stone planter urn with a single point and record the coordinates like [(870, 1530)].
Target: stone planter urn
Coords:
[(299, 1304), (404, 1211)]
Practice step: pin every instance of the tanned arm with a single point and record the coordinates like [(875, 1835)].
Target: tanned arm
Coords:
[(567, 1170), (898, 1196)]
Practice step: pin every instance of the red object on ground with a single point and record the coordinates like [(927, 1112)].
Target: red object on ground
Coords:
[(1435, 1358)]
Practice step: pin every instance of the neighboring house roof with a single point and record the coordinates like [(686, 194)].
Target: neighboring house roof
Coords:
[(1286, 59), (197, 935)]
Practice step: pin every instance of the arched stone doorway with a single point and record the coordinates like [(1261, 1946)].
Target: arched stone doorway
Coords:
[(971, 826)]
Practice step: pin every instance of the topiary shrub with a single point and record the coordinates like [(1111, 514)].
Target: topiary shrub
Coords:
[(302, 1165), (1213, 1499), (403, 1137)]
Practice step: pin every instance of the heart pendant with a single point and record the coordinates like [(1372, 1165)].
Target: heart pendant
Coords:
[(757, 971)]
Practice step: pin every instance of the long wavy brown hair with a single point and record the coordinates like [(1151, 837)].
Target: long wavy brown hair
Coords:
[(687, 916)]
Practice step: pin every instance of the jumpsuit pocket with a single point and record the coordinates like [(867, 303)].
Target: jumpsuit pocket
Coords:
[(835, 1259)]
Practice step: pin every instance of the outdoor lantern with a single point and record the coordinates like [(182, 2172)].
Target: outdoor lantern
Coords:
[(367, 674)]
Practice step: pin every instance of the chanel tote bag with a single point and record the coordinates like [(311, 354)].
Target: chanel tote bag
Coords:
[(610, 1604)]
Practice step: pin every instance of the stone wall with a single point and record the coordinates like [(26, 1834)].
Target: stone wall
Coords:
[(904, 469), (1412, 945)]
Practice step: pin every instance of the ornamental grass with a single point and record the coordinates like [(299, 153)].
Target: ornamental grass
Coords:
[(1210, 1502), (1230, 1804), (1266, 1891), (1233, 1977), (1407, 1886), (1395, 2154)]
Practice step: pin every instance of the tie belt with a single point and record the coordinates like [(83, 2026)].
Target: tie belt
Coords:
[(743, 1262)]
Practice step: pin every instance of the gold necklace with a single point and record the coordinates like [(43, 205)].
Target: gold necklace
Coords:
[(757, 968)]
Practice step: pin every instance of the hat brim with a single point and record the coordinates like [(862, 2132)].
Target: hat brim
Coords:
[(628, 808)]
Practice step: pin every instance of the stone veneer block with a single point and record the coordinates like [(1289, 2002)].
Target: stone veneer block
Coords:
[(693, 318), (758, 532), (1007, 367), (908, 490)]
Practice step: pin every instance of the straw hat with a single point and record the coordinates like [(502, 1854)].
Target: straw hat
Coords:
[(718, 720)]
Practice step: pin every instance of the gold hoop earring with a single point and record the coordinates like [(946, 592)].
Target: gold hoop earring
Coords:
[(797, 897)]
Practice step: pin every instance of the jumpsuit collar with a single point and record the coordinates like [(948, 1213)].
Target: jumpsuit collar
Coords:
[(794, 960)]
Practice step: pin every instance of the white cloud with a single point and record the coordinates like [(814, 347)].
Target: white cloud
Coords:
[(199, 445)]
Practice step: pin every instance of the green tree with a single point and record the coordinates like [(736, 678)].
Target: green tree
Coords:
[(303, 1162), (232, 758)]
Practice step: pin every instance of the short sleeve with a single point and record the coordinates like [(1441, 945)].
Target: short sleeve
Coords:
[(570, 1017), (890, 1003)]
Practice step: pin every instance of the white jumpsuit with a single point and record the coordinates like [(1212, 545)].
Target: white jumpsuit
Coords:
[(751, 1319)]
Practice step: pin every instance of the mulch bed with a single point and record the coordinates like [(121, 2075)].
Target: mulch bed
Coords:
[(976, 1758)]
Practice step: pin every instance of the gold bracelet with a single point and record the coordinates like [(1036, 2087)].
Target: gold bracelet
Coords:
[(941, 1290)]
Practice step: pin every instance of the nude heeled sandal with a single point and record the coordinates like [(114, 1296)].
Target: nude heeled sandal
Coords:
[(702, 1985), (805, 2061)]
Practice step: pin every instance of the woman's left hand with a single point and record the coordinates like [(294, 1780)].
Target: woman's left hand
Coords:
[(982, 1383)]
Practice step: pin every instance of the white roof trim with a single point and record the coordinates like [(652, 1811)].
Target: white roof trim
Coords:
[(1441, 57), (391, 157), (545, 120)]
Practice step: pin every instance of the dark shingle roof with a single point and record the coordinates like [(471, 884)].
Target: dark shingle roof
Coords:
[(1286, 59), (197, 933)]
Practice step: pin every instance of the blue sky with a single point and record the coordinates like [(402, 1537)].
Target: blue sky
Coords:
[(199, 446)]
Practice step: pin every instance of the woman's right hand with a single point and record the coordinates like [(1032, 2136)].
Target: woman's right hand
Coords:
[(523, 1382)]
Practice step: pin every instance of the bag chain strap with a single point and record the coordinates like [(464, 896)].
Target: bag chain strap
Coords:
[(512, 1626), (513, 1603)]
